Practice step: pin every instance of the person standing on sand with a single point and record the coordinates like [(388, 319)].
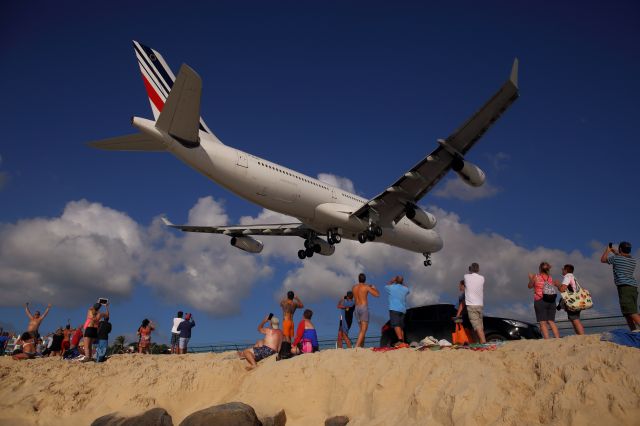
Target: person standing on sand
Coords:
[(544, 299), (270, 345), (104, 328), (175, 334), (35, 320), (184, 328), (569, 282), (361, 292), (144, 333), (91, 330), (345, 304), (289, 305), (623, 268), (397, 292), (66, 338), (474, 299)]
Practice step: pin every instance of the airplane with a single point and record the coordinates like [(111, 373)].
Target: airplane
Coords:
[(323, 210)]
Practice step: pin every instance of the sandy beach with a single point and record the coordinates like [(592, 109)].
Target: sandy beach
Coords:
[(572, 381)]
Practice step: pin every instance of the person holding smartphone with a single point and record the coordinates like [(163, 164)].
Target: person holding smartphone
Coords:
[(624, 266), (184, 328)]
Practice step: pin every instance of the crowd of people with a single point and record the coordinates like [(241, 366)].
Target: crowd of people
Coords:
[(286, 341)]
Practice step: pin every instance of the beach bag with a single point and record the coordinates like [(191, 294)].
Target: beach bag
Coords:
[(460, 336), (307, 347), (577, 300)]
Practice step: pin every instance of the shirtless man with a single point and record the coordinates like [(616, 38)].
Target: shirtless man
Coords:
[(360, 293), (271, 343), (289, 306), (35, 320), (66, 340)]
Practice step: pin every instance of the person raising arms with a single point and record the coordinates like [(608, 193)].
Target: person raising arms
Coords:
[(361, 292)]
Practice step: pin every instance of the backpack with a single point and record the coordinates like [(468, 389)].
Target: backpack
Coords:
[(285, 351)]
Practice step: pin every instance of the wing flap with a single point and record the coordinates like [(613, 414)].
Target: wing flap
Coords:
[(278, 229)]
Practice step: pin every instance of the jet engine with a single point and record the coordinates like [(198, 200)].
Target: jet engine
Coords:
[(326, 249), (247, 244), (421, 218), (468, 172)]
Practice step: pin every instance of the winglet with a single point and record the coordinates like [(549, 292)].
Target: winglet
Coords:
[(166, 221), (514, 72)]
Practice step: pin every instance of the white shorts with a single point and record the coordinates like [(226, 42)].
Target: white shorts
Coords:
[(183, 342)]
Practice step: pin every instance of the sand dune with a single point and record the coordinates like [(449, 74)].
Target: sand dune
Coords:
[(573, 381)]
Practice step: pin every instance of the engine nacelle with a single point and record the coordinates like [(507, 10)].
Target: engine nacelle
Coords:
[(326, 249), (421, 218), (247, 244), (469, 173)]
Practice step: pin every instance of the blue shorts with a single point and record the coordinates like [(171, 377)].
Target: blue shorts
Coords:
[(262, 352)]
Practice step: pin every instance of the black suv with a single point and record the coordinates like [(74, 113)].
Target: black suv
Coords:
[(436, 321)]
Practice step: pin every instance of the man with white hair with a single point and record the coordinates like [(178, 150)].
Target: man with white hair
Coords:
[(270, 344)]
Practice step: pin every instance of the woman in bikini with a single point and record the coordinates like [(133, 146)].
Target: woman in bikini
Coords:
[(91, 331), (28, 348), (144, 332)]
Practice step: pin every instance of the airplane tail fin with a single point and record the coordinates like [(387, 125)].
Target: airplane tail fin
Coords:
[(158, 80)]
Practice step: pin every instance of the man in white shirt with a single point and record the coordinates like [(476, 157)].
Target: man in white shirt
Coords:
[(473, 299), (175, 334)]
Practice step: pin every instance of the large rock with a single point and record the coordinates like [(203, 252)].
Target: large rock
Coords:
[(153, 417), (279, 419), (336, 421), (233, 413)]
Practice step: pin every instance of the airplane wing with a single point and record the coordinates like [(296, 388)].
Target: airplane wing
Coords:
[(280, 229), (390, 205)]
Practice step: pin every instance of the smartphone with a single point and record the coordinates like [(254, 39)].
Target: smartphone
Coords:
[(270, 316), (610, 245), (103, 301)]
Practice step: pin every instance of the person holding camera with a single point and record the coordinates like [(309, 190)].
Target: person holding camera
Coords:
[(345, 304), (474, 300), (91, 329), (184, 328), (544, 299), (624, 267)]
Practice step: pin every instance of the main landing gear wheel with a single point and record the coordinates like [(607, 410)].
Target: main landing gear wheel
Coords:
[(333, 237), (362, 237), (427, 261), (309, 252), (377, 231), (302, 254), (371, 236)]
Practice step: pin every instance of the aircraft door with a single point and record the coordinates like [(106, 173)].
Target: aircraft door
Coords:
[(334, 196), (242, 160)]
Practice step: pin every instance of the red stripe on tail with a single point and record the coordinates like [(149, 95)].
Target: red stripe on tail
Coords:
[(152, 94)]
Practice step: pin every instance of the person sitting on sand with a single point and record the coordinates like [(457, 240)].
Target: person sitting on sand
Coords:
[(345, 304), (28, 347), (144, 333), (361, 292), (56, 343), (306, 337), (272, 342)]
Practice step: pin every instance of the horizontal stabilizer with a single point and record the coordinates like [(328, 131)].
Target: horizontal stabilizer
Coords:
[(134, 142), (180, 116)]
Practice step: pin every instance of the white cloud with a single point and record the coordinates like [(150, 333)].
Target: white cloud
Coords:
[(92, 250), (338, 181), (456, 188), (68, 260)]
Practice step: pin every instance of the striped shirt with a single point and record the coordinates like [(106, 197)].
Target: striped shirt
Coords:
[(623, 269)]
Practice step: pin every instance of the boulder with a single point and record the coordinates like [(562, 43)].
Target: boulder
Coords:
[(279, 419), (232, 413), (153, 417), (336, 421)]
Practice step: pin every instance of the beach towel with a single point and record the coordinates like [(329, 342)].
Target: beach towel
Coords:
[(623, 337)]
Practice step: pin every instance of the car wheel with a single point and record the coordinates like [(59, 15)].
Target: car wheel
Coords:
[(495, 337)]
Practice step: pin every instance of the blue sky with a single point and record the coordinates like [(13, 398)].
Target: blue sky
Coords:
[(359, 90)]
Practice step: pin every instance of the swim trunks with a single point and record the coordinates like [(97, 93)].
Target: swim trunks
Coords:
[(183, 342), (175, 339), (262, 352), (66, 345), (362, 313), (287, 328)]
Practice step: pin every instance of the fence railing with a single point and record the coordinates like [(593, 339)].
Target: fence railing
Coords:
[(591, 325)]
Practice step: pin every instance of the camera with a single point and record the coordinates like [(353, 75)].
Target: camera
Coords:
[(103, 301)]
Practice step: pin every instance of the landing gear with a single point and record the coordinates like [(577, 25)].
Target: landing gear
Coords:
[(302, 254), (333, 237), (309, 252), (362, 237), (370, 234), (427, 261)]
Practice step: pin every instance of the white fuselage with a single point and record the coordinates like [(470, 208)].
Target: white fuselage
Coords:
[(317, 204)]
